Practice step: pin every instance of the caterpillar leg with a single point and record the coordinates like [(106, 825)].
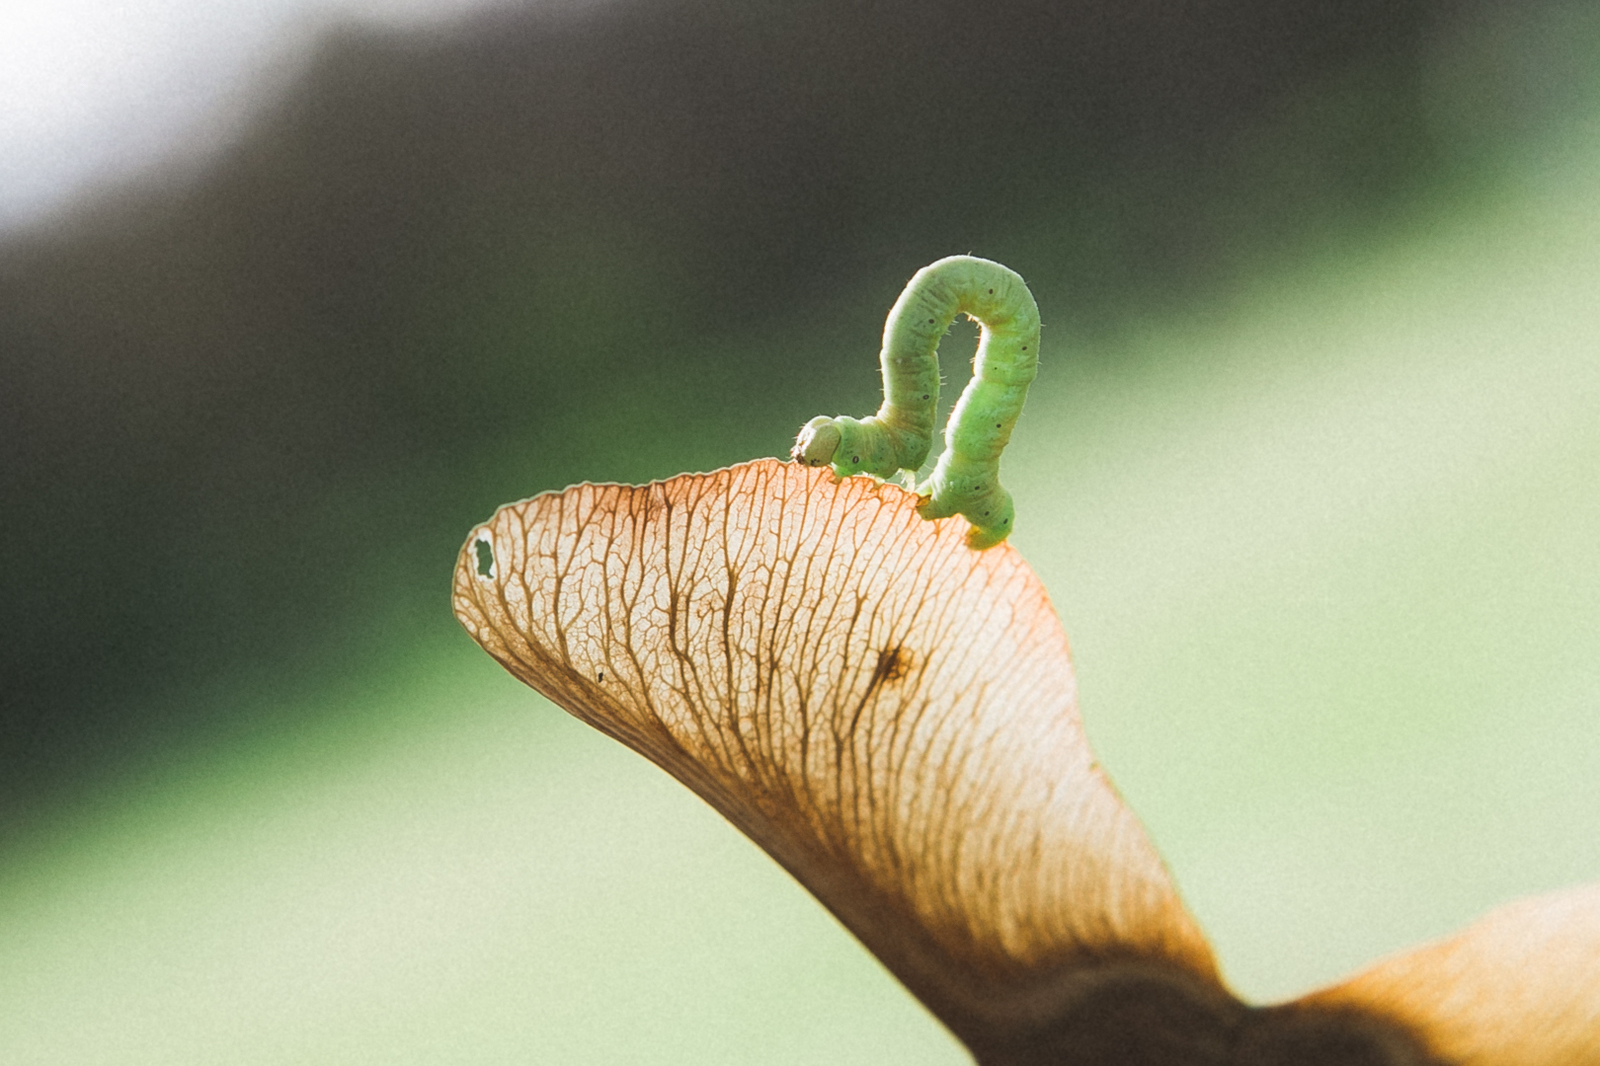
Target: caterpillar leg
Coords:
[(980, 500)]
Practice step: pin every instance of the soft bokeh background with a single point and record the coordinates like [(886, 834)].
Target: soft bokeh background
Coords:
[(293, 294)]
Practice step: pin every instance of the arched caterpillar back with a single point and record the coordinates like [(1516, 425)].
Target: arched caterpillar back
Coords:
[(966, 480)]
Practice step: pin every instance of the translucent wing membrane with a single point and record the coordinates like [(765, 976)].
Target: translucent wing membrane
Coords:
[(891, 716), (888, 714)]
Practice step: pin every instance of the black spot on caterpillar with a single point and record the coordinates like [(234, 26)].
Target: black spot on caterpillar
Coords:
[(899, 437)]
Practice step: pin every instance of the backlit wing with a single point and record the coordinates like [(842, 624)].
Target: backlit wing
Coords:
[(888, 713)]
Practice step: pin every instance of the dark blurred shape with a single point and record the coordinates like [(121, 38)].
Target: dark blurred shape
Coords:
[(246, 420)]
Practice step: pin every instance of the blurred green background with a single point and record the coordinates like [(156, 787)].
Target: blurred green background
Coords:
[(1310, 471)]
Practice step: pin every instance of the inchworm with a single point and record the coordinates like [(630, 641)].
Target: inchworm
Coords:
[(966, 480)]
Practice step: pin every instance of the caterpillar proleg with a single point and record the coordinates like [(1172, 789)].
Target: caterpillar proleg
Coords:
[(966, 480)]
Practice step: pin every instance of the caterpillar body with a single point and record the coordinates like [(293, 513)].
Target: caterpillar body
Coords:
[(966, 480)]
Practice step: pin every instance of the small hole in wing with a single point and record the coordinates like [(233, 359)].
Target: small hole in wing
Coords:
[(485, 549)]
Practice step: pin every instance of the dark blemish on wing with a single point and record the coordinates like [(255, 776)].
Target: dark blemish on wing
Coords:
[(893, 664)]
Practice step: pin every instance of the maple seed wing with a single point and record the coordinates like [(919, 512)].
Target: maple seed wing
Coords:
[(889, 714), (1521, 987)]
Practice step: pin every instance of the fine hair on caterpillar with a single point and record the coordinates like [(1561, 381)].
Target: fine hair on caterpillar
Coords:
[(966, 480)]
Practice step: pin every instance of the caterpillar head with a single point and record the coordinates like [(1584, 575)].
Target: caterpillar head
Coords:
[(817, 442)]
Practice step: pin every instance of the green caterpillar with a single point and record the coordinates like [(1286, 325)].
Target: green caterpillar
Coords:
[(966, 480)]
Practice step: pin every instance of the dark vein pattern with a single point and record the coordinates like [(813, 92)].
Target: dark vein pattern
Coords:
[(887, 712), (890, 715)]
